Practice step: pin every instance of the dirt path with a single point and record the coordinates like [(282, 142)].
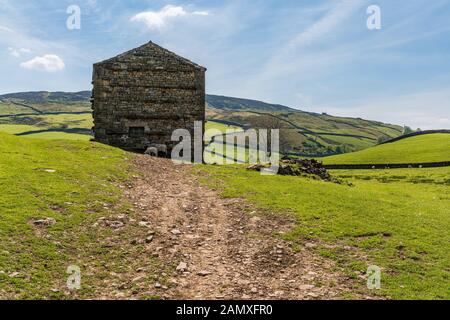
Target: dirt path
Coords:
[(220, 251)]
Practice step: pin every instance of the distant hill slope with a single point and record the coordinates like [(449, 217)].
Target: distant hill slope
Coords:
[(49, 115), (45, 97), (236, 104), (301, 133), (213, 101), (418, 149)]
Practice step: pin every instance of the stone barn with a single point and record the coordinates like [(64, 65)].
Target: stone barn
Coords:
[(141, 96)]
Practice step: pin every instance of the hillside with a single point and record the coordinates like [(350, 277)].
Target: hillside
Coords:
[(229, 103), (50, 196), (105, 210), (395, 219), (47, 97), (302, 133), (419, 149), (76, 204), (49, 115)]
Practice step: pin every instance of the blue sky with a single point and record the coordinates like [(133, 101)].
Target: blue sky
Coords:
[(311, 55)]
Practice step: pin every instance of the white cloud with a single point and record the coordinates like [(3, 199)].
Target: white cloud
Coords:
[(48, 62), (201, 13), (18, 52), (156, 20)]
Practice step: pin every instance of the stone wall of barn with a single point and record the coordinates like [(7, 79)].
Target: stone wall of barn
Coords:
[(140, 98)]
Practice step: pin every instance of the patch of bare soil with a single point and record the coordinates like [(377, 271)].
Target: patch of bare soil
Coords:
[(212, 248)]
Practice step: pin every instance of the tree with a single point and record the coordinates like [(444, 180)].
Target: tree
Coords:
[(288, 137), (407, 130), (383, 138)]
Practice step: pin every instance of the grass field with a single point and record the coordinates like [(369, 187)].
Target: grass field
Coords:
[(51, 135), (399, 224), (76, 183), (216, 128), (59, 136), (7, 109), (17, 128), (438, 176), (424, 148), (215, 151), (61, 122), (69, 120), (396, 219), (213, 128)]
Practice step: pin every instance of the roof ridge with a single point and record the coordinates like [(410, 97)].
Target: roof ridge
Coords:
[(151, 43)]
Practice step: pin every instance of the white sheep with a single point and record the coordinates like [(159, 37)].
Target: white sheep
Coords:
[(151, 151)]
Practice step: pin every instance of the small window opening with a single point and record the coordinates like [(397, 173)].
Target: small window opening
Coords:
[(136, 132)]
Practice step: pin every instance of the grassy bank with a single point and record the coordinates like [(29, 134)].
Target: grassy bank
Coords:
[(419, 149), (400, 225), (75, 183)]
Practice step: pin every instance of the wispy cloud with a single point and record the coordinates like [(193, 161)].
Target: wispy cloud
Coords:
[(6, 29), (48, 62), (91, 3), (425, 109), (16, 38), (328, 23), (17, 52)]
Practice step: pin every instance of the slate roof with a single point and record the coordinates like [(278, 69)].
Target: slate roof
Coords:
[(148, 47)]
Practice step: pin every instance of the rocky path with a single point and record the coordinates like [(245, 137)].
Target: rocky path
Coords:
[(215, 248)]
